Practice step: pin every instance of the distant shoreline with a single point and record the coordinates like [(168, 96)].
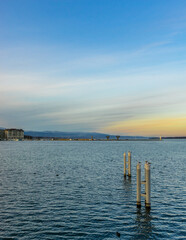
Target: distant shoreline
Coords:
[(99, 140)]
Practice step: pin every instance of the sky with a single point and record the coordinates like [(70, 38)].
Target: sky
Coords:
[(110, 66)]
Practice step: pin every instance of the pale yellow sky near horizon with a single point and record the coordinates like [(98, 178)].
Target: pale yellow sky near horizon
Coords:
[(149, 127)]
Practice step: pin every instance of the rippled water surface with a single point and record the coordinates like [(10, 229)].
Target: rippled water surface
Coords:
[(76, 190)]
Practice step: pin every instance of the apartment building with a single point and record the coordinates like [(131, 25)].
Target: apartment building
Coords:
[(14, 134)]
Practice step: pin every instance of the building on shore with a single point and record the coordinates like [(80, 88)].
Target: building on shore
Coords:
[(2, 134), (14, 134)]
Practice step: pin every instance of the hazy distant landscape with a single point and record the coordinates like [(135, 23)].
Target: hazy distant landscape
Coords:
[(86, 135), (75, 135)]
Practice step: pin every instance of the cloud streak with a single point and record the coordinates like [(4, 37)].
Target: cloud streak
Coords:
[(94, 91)]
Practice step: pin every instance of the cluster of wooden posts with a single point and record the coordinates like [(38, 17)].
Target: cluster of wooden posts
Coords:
[(146, 182)]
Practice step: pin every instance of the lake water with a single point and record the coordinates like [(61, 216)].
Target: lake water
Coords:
[(76, 190)]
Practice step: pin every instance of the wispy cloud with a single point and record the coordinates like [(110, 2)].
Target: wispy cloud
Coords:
[(90, 92)]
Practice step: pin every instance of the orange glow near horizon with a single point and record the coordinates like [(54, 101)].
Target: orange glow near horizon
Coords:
[(149, 127)]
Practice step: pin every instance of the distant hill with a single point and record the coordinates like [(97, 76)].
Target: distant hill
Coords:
[(81, 135), (56, 134)]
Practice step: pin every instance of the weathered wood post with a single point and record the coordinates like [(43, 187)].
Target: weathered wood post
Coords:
[(129, 164), (147, 185), (124, 164), (144, 182), (138, 168)]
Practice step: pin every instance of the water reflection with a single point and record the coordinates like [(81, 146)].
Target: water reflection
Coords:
[(127, 193), (127, 183), (143, 223)]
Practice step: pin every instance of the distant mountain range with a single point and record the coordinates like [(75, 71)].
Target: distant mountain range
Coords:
[(57, 134), (87, 135)]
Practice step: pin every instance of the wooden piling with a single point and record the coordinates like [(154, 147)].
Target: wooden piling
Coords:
[(138, 169), (146, 183), (129, 164), (148, 187), (124, 164)]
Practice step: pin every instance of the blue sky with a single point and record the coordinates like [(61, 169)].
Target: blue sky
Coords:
[(113, 66)]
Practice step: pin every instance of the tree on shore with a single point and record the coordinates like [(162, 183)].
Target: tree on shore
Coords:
[(117, 137)]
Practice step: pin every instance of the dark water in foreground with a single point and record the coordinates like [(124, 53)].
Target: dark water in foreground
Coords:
[(76, 190)]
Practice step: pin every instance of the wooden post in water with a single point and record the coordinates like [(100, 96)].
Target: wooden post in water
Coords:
[(147, 185), (127, 168), (129, 164), (138, 168), (124, 164), (144, 182)]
